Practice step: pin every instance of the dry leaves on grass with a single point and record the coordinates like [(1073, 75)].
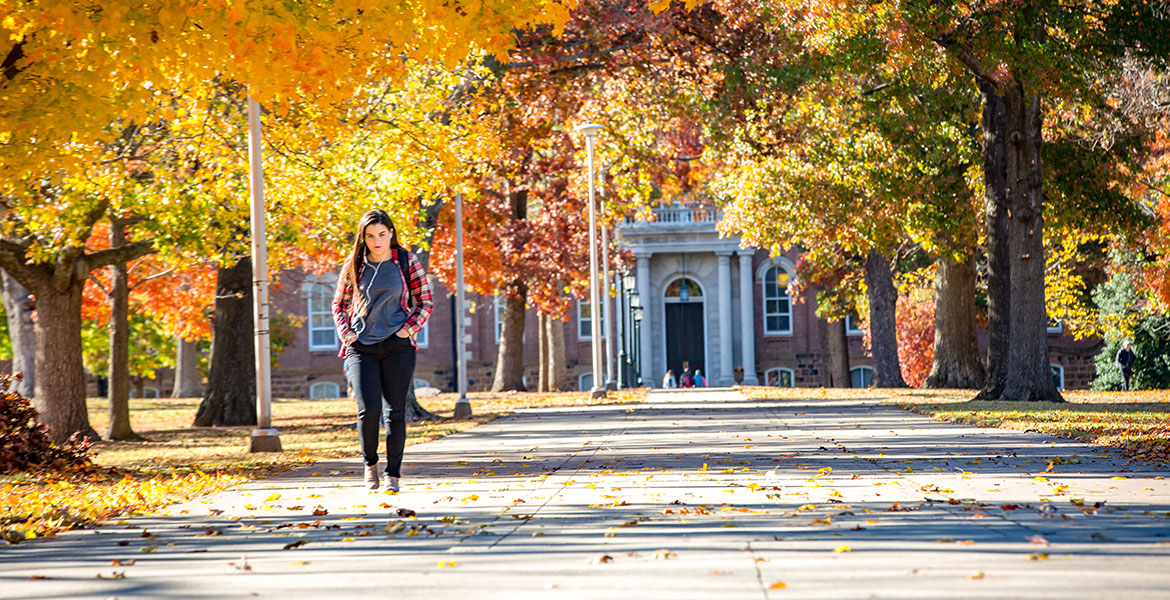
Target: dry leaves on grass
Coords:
[(1136, 423)]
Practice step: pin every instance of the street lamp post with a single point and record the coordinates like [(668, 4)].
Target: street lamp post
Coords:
[(606, 315), (462, 405), (590, 131), (264, 438)]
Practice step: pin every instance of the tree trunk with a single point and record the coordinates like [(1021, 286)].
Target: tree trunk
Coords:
[(230, 398), (883, 321), (542, 368), (59, 396), (557, 373), (188, 384), (19, 307), (1029, 377), (510, 360), (956, 349), (837, 349), (998, 266), (118, 392)]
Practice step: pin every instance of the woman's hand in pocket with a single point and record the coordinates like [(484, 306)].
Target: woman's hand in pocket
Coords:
[(402, 333)]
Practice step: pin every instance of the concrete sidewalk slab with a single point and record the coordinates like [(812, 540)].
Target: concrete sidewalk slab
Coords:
[(693, 494)]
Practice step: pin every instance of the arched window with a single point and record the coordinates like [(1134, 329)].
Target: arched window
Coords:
[(322, 332), (861, 377), (324, 389), (780, 377), (777, 304), (1057, 376), (585, 382)]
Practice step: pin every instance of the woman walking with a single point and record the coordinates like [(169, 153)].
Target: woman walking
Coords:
[(381, 301)]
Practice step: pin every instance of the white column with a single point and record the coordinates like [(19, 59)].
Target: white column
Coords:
[(650, 378), (747, 318), (724, 376)]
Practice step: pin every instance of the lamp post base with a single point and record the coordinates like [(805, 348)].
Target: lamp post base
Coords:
[(462, 409), (596, 392), (264, 440)]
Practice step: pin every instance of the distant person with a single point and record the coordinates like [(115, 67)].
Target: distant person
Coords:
[(687, 380), (1125, 360), (668, 381), (380, 304), (700, 381)]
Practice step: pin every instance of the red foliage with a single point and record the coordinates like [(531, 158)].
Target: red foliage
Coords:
[(916, 337)]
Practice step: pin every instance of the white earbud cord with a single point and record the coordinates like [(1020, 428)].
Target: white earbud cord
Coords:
[(360, 325)]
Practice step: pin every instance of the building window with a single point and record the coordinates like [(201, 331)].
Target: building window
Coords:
[(419, 383), (861, 377), (780, 377), (1057, 376), (851, 327), (777, 304), (150, 392), (424, 334), (585, 382), (585, 321), (324, 389), (499, 318), (1055, 327), (322, 332)]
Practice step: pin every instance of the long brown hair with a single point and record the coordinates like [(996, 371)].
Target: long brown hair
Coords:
[(354, 261)]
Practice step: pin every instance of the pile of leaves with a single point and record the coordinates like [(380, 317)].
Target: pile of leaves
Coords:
[(24, 441)]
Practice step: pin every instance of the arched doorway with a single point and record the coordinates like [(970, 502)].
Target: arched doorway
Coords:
[(686, 340)]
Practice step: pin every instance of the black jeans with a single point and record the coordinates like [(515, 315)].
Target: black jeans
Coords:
[(380, 376)]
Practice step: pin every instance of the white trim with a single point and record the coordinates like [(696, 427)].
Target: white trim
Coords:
[(778, 371), (335, 390), (1059, 372), (861, 369), (700, 299), (309, 290), (780, 263)]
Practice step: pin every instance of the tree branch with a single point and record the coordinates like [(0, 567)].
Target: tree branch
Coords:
[(127, 253), (12, 259)]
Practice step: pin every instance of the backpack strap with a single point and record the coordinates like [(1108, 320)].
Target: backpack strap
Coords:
[(404, 265)]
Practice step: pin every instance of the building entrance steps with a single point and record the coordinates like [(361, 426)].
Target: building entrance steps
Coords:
[(695, 493)]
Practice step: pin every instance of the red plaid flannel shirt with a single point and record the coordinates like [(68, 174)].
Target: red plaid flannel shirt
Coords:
[(420, 297)]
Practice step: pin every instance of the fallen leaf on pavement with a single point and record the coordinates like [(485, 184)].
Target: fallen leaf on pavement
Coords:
[(296, 544), (844, 548), (1038, 540), (976, 575), (664, 554), (779, 585)]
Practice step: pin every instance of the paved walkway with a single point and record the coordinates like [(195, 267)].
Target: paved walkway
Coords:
[(694, 494)]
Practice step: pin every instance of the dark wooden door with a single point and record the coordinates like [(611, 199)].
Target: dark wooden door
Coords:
[(684, 336)]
